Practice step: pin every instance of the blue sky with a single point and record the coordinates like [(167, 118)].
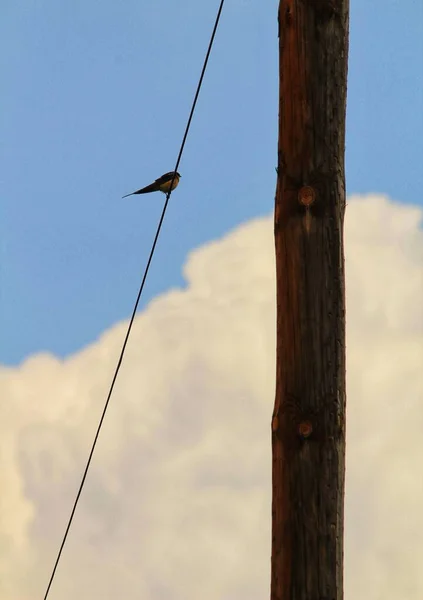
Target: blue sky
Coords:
[(95, 97)]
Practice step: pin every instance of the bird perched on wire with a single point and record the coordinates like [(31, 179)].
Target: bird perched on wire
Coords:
[(162, 184)]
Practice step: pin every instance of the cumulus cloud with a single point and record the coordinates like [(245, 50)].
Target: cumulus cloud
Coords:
[(177, 502)]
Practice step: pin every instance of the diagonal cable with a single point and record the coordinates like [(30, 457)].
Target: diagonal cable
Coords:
[(153, 247)]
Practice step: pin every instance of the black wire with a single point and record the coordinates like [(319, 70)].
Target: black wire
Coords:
[(153, 247)]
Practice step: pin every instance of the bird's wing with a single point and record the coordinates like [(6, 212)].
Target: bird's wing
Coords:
[(166, 177)]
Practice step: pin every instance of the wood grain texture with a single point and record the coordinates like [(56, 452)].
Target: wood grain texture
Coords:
[(308, 433)]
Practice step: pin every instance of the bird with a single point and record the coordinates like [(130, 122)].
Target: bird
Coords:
[(162, 184)]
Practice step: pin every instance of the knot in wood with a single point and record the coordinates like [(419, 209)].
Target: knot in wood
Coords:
[(305, 429), (306, 196)]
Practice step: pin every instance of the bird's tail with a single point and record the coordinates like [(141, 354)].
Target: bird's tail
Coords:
[(145, 190)]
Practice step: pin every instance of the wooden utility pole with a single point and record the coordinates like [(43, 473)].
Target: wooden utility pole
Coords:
[(308, 424)]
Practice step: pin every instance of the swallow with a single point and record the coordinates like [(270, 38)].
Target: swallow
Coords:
[(162, 184)]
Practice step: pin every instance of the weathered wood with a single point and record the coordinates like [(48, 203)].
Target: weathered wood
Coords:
[(308, 431)]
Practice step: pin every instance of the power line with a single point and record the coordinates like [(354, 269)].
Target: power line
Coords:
[(153, 247)]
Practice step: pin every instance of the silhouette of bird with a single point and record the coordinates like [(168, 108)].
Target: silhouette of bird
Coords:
[(162, 184)]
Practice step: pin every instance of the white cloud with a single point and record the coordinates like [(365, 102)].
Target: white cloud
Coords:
[(177, 503)]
